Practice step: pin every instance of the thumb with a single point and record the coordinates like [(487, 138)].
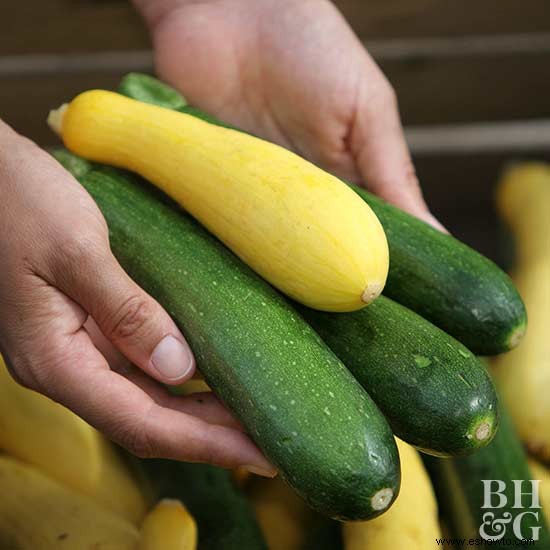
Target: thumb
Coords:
[(130, 319), (383, 158)]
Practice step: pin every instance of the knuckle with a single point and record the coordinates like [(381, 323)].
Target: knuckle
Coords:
[(24, 372), (82, 247), (134, 435), (131, 318), (23, 378), (140, 444), (70, 256), (383, 95)]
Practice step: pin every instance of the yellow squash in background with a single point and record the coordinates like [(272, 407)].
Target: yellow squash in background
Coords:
[(523, 375), (542, 473), (37, 513), (412, 521), (283, 516), (300, 228), (43, 433), (168, 526)]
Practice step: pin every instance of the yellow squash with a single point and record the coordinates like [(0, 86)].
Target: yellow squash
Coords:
[(411, 522), (523, 375), (299, 227), (241, 477), (55, 440), (283, 516), (169, 526), (194, 385), (37, 513), (542, 473)]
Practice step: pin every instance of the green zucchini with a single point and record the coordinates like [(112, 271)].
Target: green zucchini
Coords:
[(224, 516), (297, 400), (148, 89), (449, 283), (459, 486), (434, 392), (434, 274)]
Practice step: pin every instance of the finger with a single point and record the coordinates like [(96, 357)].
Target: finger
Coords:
[(63, 364), (116, 360), (50, 348), (381, 152), (204, 405), (129, 416), (126, 315)]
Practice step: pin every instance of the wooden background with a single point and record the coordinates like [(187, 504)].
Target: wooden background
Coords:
[(452, 63)]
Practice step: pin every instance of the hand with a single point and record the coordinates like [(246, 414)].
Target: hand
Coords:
[(64, 297), (294, 73)]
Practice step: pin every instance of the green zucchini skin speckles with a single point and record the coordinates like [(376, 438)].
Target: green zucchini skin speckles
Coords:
[(434, 392), (297, 400)]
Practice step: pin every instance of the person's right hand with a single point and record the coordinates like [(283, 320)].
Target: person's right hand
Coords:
[(295, 73), (63, 295)]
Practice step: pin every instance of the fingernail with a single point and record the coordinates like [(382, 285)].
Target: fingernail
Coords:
[(261, 471), (172, 359)]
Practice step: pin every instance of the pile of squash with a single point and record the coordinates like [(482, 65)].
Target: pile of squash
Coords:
[(65, 486), (327, 247)]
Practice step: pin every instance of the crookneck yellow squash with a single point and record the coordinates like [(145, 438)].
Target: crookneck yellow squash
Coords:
[(523, 375), (299, 227)]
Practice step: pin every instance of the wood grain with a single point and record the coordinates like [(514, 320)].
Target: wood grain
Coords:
[(54, 26), (26, 101), (28, 26), (414, 18), (439, 90), (430, 91)]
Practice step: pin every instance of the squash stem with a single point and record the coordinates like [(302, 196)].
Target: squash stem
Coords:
[(483, 431), (382, 499), (516, 336), (55, 118), (371, 292)]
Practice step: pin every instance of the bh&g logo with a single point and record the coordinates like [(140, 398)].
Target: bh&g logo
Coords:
[(495, 526)]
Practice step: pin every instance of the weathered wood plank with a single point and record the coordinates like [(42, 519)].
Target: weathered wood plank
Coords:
[(471, 88), (430, 90), (416, 18), (26, 101), (480, 138), (31, 26), (90, 25)]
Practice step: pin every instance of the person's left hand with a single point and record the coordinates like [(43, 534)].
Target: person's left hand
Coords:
[(292, 72)]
